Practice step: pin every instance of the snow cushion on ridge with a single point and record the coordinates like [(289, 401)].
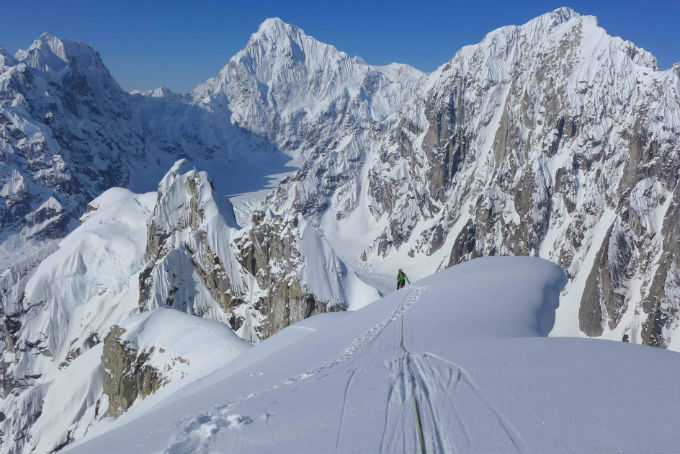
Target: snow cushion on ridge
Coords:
[(495, 297), (183, 334)]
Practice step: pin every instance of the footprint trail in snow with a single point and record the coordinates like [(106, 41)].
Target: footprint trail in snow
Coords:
[(430, 404)]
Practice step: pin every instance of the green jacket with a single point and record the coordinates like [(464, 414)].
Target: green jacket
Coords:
[(401, 277)]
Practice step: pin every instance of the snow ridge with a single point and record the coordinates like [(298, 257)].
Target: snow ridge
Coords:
[(479, 393)]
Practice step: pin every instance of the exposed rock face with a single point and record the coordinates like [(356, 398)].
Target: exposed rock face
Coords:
[(269, 250), (661, 303), (252, 280), (125, 373), (191, 266), (550, 139)]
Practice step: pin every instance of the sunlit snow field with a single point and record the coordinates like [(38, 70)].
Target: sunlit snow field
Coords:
[(460, 357)]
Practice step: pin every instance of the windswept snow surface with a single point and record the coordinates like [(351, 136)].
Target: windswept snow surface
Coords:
[(456, 362)]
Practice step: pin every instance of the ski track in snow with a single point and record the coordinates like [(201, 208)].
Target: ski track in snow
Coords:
[(425, 390)]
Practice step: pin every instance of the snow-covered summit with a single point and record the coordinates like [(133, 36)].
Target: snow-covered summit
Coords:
[(158, 92), (284, 80), (52, 54), (536, 29), (275, 29), (553, 18)]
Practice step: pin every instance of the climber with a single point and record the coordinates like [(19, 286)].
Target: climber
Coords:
[(401, 279)]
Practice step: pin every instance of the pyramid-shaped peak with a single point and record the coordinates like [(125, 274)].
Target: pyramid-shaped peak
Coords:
[(563, 14), (275, 29), (554, 18), (52, 43), (45, 38), (277, 39), (158, 92), (275, 24)]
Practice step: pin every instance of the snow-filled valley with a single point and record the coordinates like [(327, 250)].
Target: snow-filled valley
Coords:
[(214, 271)]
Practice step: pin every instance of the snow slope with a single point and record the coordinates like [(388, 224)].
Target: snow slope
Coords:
[(72, 299), (460, 357), (96, 311), (182, 348)]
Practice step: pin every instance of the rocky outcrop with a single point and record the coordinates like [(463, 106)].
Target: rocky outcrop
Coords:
[(125, 373), (269, 250), (661, 303), (201, 263), (190, 264)]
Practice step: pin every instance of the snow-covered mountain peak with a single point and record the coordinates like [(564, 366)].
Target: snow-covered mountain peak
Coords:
[(537, 27), (276, 40), (558, 16), (158, 92), (275, 29), (186, 198), (6, 59), (47, 53), (562, 36), (284, 81), (51, 53)]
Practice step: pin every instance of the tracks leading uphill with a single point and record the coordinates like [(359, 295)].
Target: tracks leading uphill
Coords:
[(430, 403)]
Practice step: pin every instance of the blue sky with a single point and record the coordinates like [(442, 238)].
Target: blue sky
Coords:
[(182, 43)]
